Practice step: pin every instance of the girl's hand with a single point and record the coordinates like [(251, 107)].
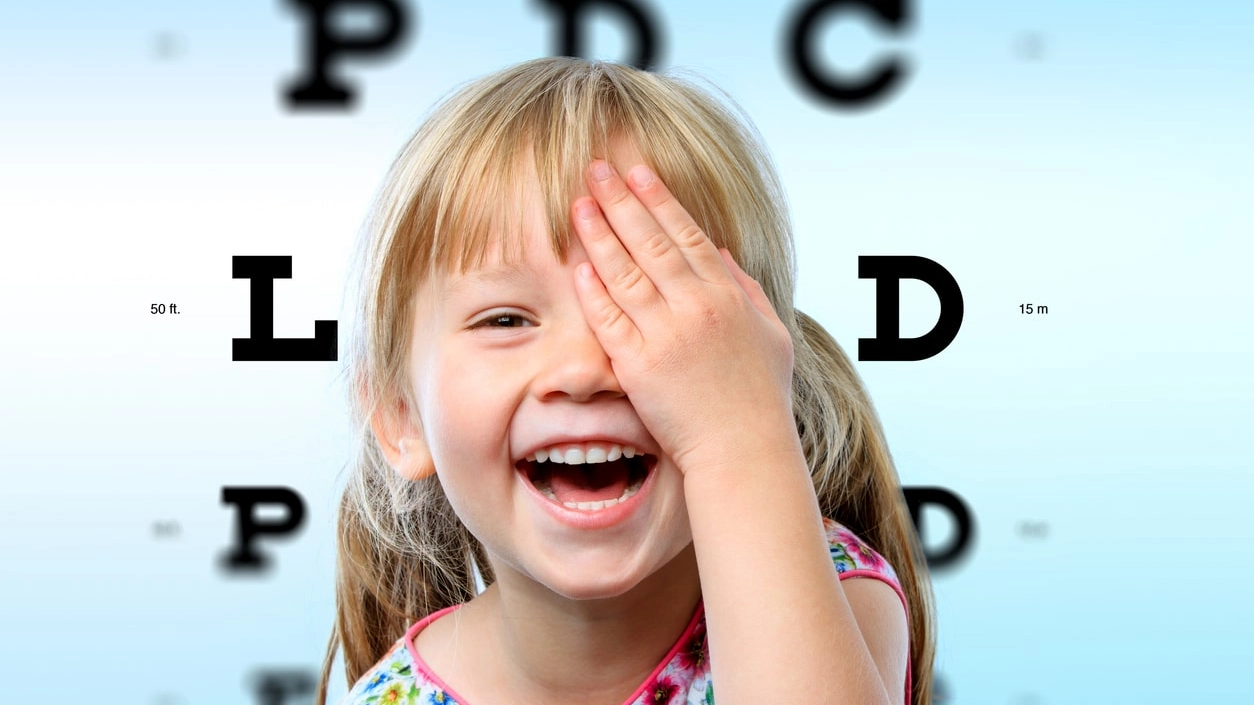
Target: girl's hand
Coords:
[(693, 340)]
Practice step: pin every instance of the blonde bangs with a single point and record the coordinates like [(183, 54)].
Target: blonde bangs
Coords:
[(532, 131)]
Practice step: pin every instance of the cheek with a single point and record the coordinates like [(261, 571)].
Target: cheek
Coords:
[(466, 412)]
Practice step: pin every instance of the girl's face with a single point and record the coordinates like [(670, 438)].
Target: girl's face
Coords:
[(505, 364)]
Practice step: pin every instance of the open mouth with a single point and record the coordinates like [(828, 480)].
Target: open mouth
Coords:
[(588, 485)]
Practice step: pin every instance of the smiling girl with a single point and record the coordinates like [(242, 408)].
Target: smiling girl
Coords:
[(578, 373)]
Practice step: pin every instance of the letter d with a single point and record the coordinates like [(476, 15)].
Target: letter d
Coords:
[(888, 271)]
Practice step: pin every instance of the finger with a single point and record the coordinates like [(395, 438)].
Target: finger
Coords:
[(617, 272), (751, 286), (647, 242), (698, 250), (612, 326)]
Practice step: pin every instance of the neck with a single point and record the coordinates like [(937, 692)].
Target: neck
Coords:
[(552, 649)]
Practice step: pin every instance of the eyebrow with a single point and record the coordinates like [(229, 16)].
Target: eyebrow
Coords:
[(499, 276)]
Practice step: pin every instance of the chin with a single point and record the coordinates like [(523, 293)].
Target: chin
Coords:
[(601, 574), (591, 580)]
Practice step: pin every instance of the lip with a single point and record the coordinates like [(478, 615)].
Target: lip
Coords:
[(592, 518)]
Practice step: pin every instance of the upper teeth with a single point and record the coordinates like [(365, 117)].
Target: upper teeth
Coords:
[(596, 453)]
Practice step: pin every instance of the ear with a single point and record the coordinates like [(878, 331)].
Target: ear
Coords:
[(401, 441)]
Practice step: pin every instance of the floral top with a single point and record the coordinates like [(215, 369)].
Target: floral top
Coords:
[(401, 677)]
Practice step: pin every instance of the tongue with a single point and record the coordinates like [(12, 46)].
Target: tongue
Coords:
[(588, 483)]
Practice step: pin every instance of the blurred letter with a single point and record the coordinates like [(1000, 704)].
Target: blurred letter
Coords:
[(273, 686), (800, 50), (316, 88), (916, 497), (569, 37), (243, 555)]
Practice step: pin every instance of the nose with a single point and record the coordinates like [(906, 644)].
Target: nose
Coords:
[(575, 365)]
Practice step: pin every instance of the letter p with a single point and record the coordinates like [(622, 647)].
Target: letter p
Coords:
[(243, 555), (317, 88)]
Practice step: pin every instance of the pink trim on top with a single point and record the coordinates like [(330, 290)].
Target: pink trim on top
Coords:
[(422, 666), (865, 573), (680, 643)]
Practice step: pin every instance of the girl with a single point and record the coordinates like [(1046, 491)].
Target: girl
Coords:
[(578, 375)]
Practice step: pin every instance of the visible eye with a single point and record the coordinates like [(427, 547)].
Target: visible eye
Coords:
[(502, 320)]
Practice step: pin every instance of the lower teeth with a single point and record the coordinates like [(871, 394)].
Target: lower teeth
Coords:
[(599, 504)]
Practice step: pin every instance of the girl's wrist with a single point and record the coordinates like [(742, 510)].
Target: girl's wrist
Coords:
[(754, 450)]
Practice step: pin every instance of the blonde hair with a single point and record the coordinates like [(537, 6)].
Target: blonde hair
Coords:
[(402, 553)]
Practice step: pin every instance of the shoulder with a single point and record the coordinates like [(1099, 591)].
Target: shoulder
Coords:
[(390, 679), (879, 605), (853, 557), (395, 679)]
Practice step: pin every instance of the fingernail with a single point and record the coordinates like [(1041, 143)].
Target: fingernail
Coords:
[(641, 176), (601, 170)]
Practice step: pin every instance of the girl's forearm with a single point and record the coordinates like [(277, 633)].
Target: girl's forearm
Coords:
[(776, 615)]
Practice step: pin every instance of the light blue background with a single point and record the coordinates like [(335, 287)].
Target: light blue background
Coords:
[(1108, 177)]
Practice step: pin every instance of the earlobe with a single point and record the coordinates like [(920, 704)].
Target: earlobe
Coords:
[(402, 445), (414, 462)]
